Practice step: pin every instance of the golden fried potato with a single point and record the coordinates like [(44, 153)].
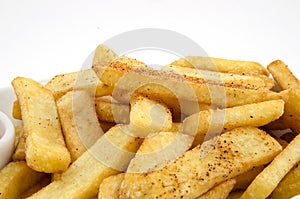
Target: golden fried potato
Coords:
[(220, 191), (148, 116), (165, 85), (103, 54), (79, 121), (221, 65), (195, 172), (289, 185), (284, 76), (206, 124), (16, 178), (45, 145), (265, 183), (247, 80), (110, 155)]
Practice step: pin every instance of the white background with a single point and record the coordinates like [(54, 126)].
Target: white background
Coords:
[(39, 39)]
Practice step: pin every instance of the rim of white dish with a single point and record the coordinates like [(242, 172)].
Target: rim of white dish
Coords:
[(6, 128)]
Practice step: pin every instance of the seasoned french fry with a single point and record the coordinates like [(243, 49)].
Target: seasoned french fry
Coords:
[(209, 122), (103, 54), (220, 191), (191, 175), (16, 178), (291, 116), (164, 85), (283, 76), (254, 81), (289, 186), (79, 122), (108, 156), (221, 65), (265, 183), (45, 146), (109, 110), (159, 149), (154, 153), (148, 116), (82, 80)]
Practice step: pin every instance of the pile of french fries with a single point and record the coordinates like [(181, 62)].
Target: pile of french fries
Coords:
[(199, 127)]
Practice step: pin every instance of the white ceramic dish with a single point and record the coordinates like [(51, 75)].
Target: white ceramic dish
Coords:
[(7, 139)]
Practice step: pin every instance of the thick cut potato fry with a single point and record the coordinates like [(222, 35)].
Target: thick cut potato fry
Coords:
[(45, 146), (210, 122), (82, 80), (16, 178), (265, 183), (103, 54), (221, 65), (148, 116), (79, 121), (220, 191), (158, 150), (192, 175), (109, 110), (247, 80), (165, 85), (110, 155), (20, 150), (291, 116), (109, 188), (154, 153), (289, 186), (283, 76), (16, 111)]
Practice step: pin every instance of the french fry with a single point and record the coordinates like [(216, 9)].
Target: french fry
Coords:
[(110, 155), (291, 116), (148, 116), (210, 122), (45, 146), (283, 76), (79, 122), (151, 155), (253, 81), (191, 175), (103, 54), (16, 111), (109, 188), (82, 80), (109, 110), (265, 183), (221, 65), (289, 186), (220, 191), (164, 85), (16, 178), (158, 150), (20, 150)]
